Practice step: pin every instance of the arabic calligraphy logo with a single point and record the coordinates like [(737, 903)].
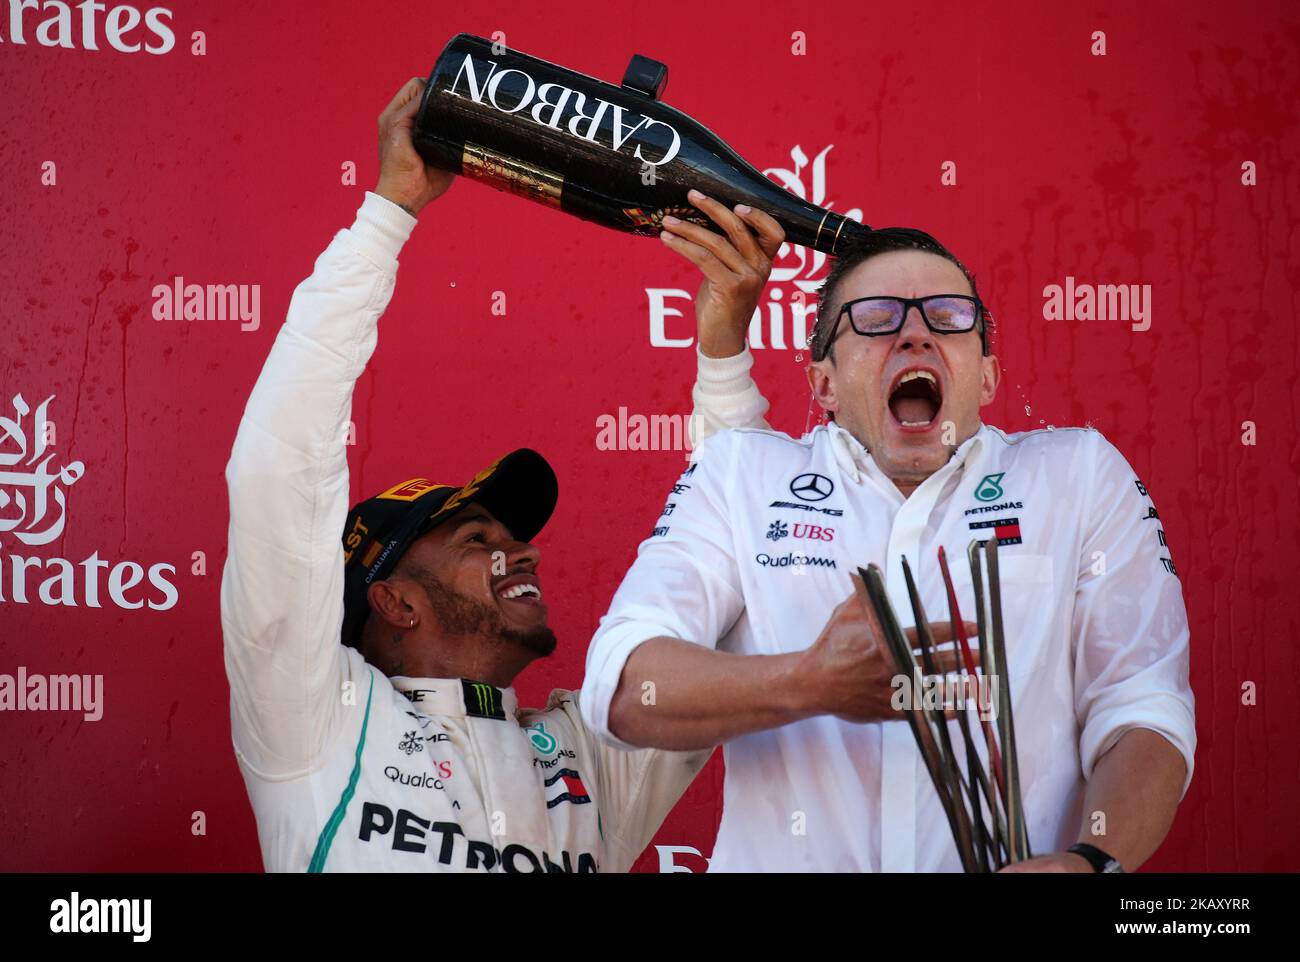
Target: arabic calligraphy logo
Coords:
[(803, 265), (785, 318), (28, 481)]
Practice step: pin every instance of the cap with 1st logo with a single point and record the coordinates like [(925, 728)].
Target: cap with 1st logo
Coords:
[(519, 489)]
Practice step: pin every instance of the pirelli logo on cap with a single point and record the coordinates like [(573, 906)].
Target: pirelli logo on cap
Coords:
[(410, 490), (469, 490)]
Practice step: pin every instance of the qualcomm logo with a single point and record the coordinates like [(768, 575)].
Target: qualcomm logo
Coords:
[(33, 509), (796, 273)]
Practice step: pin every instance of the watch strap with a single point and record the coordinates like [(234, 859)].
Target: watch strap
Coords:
[(1099, 860)]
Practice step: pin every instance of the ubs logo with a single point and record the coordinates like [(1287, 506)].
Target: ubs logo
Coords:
[(812, 487)]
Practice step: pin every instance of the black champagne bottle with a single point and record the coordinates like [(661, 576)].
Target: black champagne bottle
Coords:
[(613, 155)]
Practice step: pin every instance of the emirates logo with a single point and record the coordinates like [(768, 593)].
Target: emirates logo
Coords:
[(33, 503)]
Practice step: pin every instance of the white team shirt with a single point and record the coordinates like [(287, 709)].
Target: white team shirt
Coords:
[(347, 769), (754, 549)]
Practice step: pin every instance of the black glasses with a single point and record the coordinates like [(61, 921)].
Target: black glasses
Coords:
[(879, 316)]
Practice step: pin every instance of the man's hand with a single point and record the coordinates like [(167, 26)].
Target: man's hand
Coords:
[(404, 177), (849, 668), (1057, 862), (735, 268)]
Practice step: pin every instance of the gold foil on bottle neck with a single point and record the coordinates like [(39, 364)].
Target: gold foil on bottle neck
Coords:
[(821, 223), (836, 242)]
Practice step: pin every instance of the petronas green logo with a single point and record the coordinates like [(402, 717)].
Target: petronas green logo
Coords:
[(990, 489), (542, 740)]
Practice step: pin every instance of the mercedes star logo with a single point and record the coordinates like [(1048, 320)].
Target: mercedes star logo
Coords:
[(812, 487)]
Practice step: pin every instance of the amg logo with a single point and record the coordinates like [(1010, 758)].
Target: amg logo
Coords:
[(834, 512)]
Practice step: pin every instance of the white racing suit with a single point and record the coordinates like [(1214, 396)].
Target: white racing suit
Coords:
[(347, 769)]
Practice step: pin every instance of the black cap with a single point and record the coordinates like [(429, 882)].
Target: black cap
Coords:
[(519, 490)]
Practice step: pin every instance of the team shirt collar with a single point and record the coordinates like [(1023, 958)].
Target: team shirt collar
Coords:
[(458, 697), (856, 460)]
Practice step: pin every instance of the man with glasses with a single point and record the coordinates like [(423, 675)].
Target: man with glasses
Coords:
[(738, 623)]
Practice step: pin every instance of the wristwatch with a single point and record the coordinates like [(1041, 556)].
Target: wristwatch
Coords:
[(1099, 860)]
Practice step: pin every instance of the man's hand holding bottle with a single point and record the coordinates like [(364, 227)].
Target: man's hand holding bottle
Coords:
[(735, 266), (404, 177)]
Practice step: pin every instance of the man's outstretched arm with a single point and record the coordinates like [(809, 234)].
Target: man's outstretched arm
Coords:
[(282, 588), (679, 695), (1138, 784), (704, 697)]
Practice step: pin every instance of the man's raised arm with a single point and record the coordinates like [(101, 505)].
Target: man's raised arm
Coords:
[(735, 267), (725, 395), (282, 588)]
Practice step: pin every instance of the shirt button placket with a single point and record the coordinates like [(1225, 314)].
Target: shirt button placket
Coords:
[(899, 755)]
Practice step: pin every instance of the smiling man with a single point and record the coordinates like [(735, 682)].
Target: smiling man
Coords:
[(738, 624), (371, 652)]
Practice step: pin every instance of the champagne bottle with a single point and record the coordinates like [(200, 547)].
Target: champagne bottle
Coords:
[(613, 155)]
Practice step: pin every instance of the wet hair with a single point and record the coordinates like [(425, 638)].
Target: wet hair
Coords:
[(875, 242)]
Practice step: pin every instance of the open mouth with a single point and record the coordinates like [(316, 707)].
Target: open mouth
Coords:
[(916, 399), (522, 589)]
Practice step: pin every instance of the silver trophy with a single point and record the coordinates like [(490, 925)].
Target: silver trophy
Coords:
[(984, 846)]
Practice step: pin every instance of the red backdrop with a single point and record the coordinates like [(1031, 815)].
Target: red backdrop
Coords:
[(228, 167)]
